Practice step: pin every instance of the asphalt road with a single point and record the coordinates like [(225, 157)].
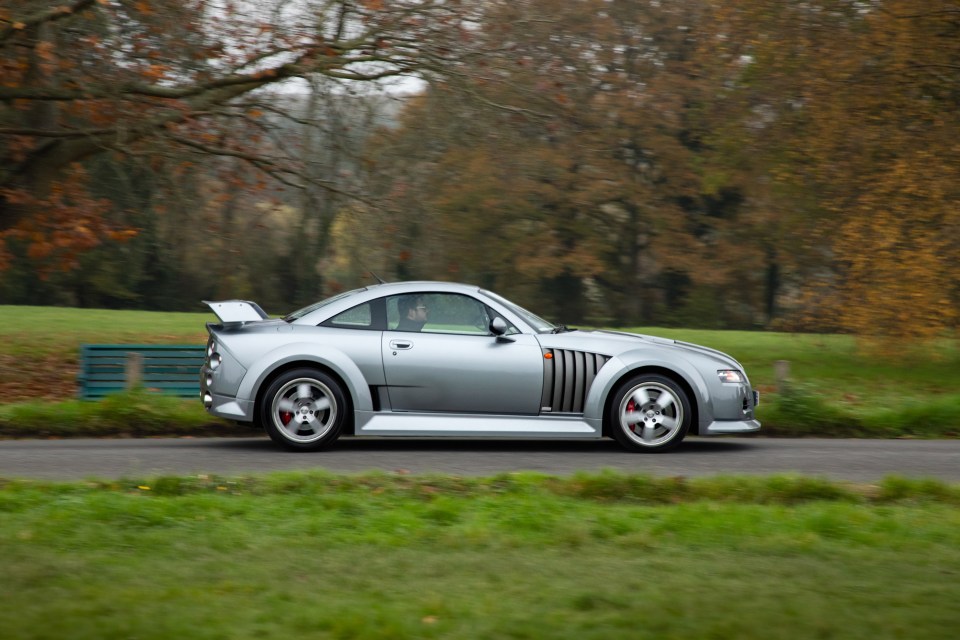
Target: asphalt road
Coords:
[(853, 460)]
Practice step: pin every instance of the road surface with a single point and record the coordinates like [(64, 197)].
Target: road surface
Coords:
[(852, 460)]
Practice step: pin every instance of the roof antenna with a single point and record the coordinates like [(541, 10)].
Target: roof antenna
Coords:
[(379, 279)]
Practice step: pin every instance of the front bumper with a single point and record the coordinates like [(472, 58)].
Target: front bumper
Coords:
[(720, 427)]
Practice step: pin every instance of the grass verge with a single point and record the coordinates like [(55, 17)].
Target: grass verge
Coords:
[(800, 411), (512, 556), (134, 413)]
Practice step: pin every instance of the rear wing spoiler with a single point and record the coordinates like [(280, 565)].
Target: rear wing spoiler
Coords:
[(236, 311)]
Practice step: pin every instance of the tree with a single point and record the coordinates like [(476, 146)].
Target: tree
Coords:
[(88, 77), (560, 152), (857, 107)]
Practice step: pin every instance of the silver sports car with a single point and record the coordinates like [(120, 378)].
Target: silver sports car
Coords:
[(443, 359)]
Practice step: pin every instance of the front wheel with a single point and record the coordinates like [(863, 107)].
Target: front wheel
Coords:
[(303, 409), (650, 413)]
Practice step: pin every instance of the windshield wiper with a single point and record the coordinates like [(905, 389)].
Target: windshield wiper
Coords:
[(561, 328)]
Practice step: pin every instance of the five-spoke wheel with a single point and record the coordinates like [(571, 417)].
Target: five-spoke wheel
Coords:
[(650, 412), (303, 409)]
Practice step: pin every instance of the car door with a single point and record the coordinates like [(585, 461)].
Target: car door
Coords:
[(452, 363)]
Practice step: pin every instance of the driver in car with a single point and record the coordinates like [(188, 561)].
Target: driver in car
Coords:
[(413, 313)]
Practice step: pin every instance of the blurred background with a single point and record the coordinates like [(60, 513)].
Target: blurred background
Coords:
[(732, 164)]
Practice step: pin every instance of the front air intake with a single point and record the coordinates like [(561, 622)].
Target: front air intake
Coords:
[(567, 377)]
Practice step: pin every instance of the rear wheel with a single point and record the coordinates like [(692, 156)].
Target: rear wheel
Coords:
[(303, 409), (650, 412)]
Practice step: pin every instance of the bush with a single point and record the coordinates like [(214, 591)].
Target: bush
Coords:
[(931, 419), (131, 413), (799, 411)]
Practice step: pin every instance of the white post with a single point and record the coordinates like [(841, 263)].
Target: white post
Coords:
[(781, 372)]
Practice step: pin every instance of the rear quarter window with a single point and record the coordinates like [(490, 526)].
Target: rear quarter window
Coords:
[(362, 316)]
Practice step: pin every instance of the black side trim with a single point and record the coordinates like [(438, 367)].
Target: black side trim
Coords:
[(567, 378)]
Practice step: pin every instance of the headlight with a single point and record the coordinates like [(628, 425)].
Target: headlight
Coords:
[(211, 347), (215, 361), (731, 375)]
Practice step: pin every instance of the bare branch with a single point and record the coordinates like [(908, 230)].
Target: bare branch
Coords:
[(49, 15), (268, 165), (49, 133), (914, 16)]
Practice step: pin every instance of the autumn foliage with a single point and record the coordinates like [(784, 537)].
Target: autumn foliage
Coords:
[(748, 163), (147, 82)]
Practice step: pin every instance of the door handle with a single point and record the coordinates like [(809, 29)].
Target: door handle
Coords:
[(401, 344)]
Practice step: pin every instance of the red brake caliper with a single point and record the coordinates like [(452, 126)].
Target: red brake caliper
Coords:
[(632, 406), (285, 417)]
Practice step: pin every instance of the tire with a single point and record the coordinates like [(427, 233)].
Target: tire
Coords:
[(303, 409), (650, 413)]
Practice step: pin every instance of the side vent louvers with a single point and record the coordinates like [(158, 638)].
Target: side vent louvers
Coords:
[(567, 377)]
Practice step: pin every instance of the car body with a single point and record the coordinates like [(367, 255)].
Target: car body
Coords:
[(472, 364)]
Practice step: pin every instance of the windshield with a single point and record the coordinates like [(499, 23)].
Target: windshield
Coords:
[(299, 313), (539, 324)]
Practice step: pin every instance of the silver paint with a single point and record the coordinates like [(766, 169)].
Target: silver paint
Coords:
[(431, 383)]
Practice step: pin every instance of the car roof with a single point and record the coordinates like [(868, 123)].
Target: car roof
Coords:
[(419, 285)]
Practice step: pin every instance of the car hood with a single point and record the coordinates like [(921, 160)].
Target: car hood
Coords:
[(616, 342)]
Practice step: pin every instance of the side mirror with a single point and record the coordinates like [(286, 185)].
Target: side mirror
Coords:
[(498, 327)]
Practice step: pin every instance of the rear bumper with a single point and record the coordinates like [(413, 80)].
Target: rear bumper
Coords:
[(231, 408), (720, 427)]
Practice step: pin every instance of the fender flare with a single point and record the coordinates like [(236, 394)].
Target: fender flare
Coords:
[(623, 364), (328, 357)]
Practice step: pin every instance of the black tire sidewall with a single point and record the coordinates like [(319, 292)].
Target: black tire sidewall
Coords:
[(616, 429), (265, 417)]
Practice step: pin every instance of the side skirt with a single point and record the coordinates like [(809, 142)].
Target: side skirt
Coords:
[(370, 423)]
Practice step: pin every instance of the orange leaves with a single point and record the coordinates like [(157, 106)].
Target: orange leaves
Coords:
[(898, 242), (122, 235), (266, 73), (883, 144), (56, 229), (44, 51), (155, 72), (854, 165)]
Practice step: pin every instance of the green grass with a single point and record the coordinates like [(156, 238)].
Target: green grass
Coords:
[(52, 331), (513, 556), (40, 346), (134, 413), (836, 388)]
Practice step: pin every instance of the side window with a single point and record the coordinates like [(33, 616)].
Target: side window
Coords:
[(359, 317), (438, 313)]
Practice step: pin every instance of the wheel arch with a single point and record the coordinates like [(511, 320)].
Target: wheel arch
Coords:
[(275, 373), (330, 361), (666, 372)]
